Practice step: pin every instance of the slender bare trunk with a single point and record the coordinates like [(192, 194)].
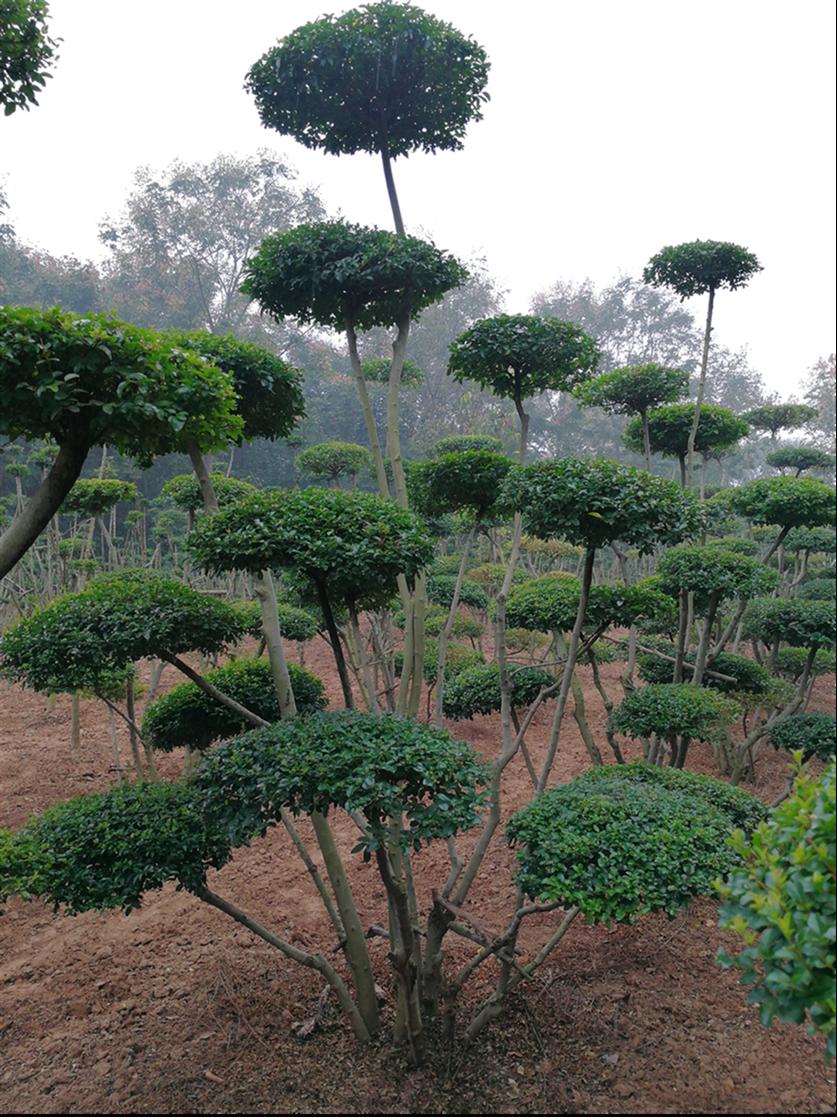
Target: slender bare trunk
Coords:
[(704, 365)]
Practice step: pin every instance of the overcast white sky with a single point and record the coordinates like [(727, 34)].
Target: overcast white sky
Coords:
[(614, 127)]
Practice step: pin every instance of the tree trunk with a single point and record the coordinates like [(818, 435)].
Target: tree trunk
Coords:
[(704, 365), (336, 645), (266, 593), (386, 159), (210, 501)]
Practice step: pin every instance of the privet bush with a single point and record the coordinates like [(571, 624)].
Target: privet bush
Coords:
[(812, 734), (476, 690)]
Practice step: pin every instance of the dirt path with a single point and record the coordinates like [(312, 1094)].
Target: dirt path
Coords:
[(176, 1009)]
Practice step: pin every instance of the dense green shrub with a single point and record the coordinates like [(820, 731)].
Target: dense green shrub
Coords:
[(785, 502), (184, 490), (669, 428), (790, 663), (550, 603), (186, 715), (94, 496), (440, 589), (802, 624), (465, 481), (818, 589), (457, 443), (672, 710), (623, 840), (334, 459), (635, 389), (750, 677), (476, 690), (782, 904), (700, 266), (819, 540), (800, 458), (458, 658), (811, 733), (704, 570), (377, 371)]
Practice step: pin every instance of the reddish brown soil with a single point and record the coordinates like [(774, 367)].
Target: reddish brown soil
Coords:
[(177, 1009)]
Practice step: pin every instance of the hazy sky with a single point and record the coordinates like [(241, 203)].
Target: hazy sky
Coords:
[(614, 127)]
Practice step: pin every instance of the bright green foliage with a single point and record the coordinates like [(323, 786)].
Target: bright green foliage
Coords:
[(440, 589), (268, 390), (622, 840), (790, 663), (800, 458), (457, 443), (26, 53), (737, 543), (518, 355), (669, 428), (382, 77), (596, 502), (813, 734), (802, 624), (95, 379), (704, 570), (186, 715), (773, 417), (550, 603), (184, 490), (380, 766), (672, 710), (334, 273), (782, 904), (295, 623), (377, 371), (120, 618), (96, 495), (635, 389), (785, 501), (106, 851), (334, 459), (355, 544), (701, 266), (815, 540), (466, 481), (750, 677), (818, 589), (476, 690)]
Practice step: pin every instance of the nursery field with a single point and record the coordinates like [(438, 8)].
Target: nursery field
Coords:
[(175, 1009)]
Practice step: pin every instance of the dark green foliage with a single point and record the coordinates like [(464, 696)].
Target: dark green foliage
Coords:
[(802, 624), (782, 904), (704, 570), (185, 715), (96, 379), (295, 623), (811, 733), (491, 575), (800, 458), (334, 459), (120, 618), (440, 589), (96, 495), (458, 443), (377, 372), (596, 502), (184, 490), (380, 766), (701, 266), (26, 53), (790, 663), (476, 690), (458, 658), (268, 390), (785, 501), (737, 543), (818, 589), (333, 273), (464, 481), (672, 710), (816, 540), (635, 389), (623, 840), (518, 355), (773, 417), (355, 544), (550, 603), (106, 851), (669, 428), (750, 677), (383, 77)]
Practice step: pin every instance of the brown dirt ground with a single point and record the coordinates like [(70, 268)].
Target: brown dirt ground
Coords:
[(177, 1009)]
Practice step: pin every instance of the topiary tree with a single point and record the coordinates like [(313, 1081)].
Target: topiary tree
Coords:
[(377, 370), (701, 267), (441, 590), (186, 717), (786, 502), (334, 460), (811, 734), (774, 417), (385, 78), (185, 491), (350, 548), (801, 624), (730, 673), (781, 902), (800, 458), (635, 390), (476, 690), (613, 844), (457, 443), (94, 496), (674, 715), (818, 589), (669, 431), (27, 53), (87, 381)]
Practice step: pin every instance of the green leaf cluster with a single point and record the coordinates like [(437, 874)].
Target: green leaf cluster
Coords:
[(670, 710), (440, 589), (800, 623), (27, 53), (813, 734), (550, 603), (334, 459), (669, 428), (457, 443), (785, 501), (463, 481), (800, 458), (476, 690), (635, 389), (184, 490), (704, 570), (96, 495), (700, 266), (773, 417)]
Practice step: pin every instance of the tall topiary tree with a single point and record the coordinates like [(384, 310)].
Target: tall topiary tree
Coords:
[(800, 458), (774, 417), (86, 381), (635, 390), (386, 78), (670, 428), (786, 502), (701, 267), (333, 460)]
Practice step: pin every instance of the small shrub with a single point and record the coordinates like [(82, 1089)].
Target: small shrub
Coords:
[(477, 690), (811, 733)]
